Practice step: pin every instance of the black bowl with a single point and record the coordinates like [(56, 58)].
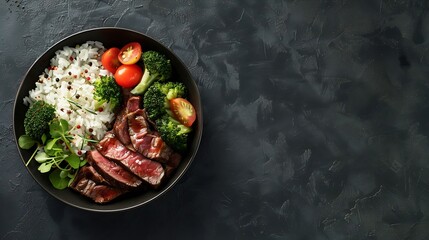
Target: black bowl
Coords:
[(110, 37)]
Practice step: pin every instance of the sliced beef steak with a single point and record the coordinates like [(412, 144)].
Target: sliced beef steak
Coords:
[(120, 128), (91, 184), (112, 172), (139, 131), (150, 171), (133, 104), (148, 142)]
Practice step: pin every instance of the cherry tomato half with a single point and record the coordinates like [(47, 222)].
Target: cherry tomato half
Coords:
[(109, 59), (130, 53), (128, 76), (183, 110)]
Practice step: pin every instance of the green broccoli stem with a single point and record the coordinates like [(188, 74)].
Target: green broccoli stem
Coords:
[(169, 112), (183, 129), (145, 83)]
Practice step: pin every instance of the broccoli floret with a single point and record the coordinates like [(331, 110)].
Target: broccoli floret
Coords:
[(173, 90), (37, 118), (157, 98), (173, 133), (107, 90), (154, 102), (157, 68)]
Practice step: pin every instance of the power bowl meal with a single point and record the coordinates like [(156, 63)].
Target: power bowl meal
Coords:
[(108, 121)]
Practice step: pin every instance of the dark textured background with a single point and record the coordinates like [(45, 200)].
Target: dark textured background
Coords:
[(316, 119)]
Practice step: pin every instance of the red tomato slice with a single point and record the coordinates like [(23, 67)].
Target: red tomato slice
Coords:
[(130, 53), (109, 59), (183, 110), (128, 76)]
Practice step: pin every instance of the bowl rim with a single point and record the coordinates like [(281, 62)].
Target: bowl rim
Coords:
[(197, 136)]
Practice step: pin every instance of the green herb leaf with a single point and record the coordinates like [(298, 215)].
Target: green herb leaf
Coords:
[(82, 163), (55, 151), (64, 174), (70, 181), (51, 143), (58, 128), (57, 181), (73, 160), (26, 142), (45, 167), (80, 106), (42, 157)]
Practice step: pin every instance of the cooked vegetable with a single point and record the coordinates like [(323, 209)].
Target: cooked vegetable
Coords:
[(157, 98), (110, 60), (130, 53), (106, 90), (183, 110), (128, 76), (173, 133), (157, 68), (157, 101), (37, 118)]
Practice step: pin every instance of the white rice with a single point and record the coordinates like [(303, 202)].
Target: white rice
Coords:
[(69, 78)]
